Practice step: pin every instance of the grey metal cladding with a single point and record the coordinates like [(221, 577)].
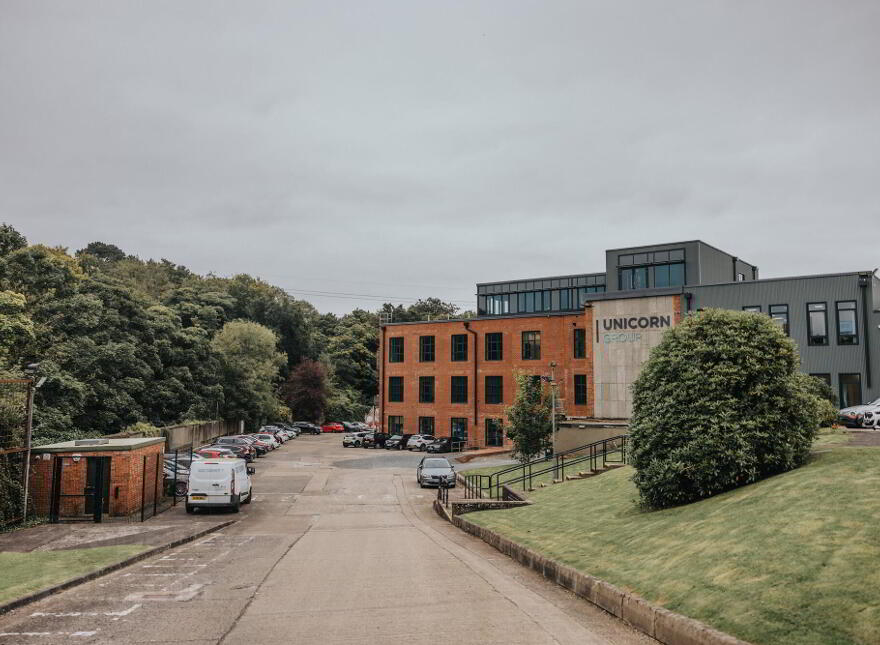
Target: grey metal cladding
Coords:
[(831, 359), (692, 276)]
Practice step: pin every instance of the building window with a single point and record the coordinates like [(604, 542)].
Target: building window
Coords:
[(395, 425), (499, 304), (494, 389), (580, 343), (825, 377), (647, 270), (847, 323), (459, 389), (740, 277), (426, 425), (531, 345), (458, 432), (634, 278), (493, 347), (580, 389), (494, 432), (754, 309), (459, 347), (426, 389), (426, 349), (850, 390), (779, 315), (817, 323), (395, 389), (395, 350)]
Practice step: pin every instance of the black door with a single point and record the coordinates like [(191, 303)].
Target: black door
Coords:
[(494, 432), (97, 477)]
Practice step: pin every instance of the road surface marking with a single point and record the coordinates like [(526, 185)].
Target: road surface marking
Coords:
[(66, 614)]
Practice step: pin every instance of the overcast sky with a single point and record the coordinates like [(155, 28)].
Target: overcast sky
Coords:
[(414, 148)]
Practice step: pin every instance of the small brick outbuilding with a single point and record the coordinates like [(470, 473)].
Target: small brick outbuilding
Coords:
[(131, 471)]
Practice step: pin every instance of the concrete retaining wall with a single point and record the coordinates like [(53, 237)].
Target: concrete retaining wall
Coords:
[(198, 434), (657, 622)]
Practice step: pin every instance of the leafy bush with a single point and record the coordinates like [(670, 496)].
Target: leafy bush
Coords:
[(719, 404)]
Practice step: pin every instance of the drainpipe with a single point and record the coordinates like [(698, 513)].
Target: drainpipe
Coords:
[(754, 273), (467, 326), (864, 281), (381, 364), (734, 258), (688, 297)]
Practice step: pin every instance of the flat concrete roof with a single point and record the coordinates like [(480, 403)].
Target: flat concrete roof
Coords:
[(112, 445)]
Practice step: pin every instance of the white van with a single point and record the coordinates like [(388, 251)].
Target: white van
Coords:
[(223, 483)]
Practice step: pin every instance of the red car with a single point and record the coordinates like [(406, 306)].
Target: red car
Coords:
[(332, 427)]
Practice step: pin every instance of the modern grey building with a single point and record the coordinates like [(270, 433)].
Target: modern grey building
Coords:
[(833, 318)]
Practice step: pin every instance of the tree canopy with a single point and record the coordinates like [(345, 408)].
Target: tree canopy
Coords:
[(719, 404), (123, 340)]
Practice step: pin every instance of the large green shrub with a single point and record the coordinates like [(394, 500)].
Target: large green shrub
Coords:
[(719, 404)]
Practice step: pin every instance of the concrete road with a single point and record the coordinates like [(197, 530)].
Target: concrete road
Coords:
[(339, 546)]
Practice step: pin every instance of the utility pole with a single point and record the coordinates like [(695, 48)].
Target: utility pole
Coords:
[(553, 402)]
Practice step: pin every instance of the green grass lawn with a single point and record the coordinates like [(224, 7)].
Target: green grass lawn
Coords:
[(24, 573), (792, 559)]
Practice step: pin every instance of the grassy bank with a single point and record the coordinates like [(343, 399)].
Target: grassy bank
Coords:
[(24, 573), (792, 559)]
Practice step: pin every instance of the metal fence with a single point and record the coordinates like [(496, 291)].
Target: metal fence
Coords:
[(14, 411)]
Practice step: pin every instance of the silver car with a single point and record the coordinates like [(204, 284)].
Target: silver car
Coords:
[(434, 471)]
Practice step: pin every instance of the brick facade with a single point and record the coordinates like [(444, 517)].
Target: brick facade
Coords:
[(127, 474), (557, 345)]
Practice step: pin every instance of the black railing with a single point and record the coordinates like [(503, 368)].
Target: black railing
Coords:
[(443, 494), (597, 455)]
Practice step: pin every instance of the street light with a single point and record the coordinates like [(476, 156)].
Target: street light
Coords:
[(32, 387)]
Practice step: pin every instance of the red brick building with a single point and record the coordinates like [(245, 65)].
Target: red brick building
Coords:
[(455, 378), (131, 471)]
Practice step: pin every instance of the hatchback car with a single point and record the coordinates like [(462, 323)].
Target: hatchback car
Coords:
[(355, 439), (435, 471), (332, 426), (445, 444), (307, 428)]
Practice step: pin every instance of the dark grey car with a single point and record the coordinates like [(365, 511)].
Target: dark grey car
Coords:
[(434, 471)]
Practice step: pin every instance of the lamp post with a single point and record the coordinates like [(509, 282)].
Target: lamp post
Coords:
[(32, 387), (553, 408)]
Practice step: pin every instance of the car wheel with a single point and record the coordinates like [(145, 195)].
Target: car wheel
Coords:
[(180, 489), (250, 496), (190, 509), (423, 448), (237, 504)]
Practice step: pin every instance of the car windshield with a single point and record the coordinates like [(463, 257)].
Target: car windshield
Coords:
[(436, 463), (875, 402), (394, 436)]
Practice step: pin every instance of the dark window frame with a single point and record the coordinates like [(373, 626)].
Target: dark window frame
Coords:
[(393, 391), (494, 389), (422, 426), (456, 354), (579, 340), (426, 395), (753, 309), (846, 404), (531, 348), (810, 324), (787, 327), (855, 310), (393, 428), (463, 421), (490, 339), (492, 421), (455, 389), (427, 350), (581, 388), (395, 349)]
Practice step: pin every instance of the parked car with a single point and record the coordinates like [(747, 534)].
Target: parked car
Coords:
[(347, 426), (376, 440), (445, 444), (307, 428), (852, 417), (269, 438), (332, 426), (397, 441), (238, 441), (216, 452), (355, 439), (175, 478), (219, 483), (419, 442), (434, 471)]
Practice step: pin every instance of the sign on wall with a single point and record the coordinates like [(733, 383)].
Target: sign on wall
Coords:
[(624, 331)]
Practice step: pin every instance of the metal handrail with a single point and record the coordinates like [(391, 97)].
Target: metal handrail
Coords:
[(476, 484)]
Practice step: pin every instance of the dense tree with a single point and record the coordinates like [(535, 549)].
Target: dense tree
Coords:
[(250, 363), (16, 328), (529, 424), (10, 240), (307, 391), (719, 404), (103, 252)]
